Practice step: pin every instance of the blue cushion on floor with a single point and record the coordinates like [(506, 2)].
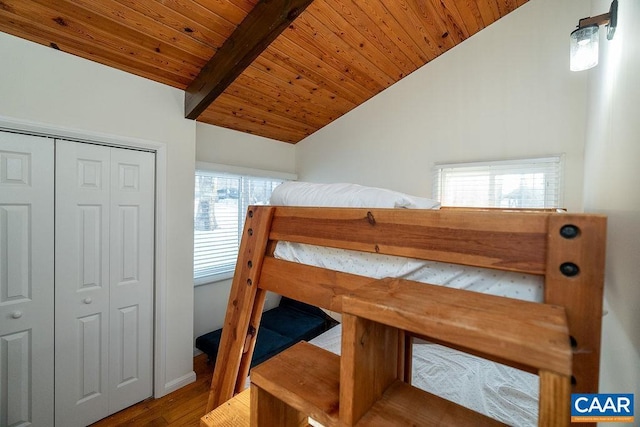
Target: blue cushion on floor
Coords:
[(280, 328), (292, 323)]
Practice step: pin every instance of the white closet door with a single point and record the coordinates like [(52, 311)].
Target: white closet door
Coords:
[(104, 280), (26, 280), (131, 277), (82, 283)]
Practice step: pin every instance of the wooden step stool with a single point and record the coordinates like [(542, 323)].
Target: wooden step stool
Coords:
[(364, 386)]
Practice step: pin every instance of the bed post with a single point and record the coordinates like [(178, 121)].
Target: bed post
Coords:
[(240, 324), (575, 280)]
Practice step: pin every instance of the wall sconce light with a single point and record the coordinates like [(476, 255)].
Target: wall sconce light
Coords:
[(584, 40)]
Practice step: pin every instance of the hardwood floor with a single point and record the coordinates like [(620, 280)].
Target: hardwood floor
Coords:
[(183, 407)]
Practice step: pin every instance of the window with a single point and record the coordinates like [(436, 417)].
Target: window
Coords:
[(524, 183), (221, 201)]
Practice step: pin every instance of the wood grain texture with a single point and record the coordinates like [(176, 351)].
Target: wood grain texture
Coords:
[(302, 381), (257, 30), (581, 294), (242, 300), (527, 333), (505, 241), (269, 411), (250, 342), (182, 408), (370, 391), (312, 285), (409, 406), (304, 377), (554, 403), (345, 52), (368, 365), (233, 413)]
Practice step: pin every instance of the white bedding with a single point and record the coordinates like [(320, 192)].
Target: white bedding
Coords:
[(501, 392), (501, 283), (295, 193)]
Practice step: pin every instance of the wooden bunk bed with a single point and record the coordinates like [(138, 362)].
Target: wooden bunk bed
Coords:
[(567, 250)]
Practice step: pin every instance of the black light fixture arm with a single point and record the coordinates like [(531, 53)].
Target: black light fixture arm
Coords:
[(609, 19)]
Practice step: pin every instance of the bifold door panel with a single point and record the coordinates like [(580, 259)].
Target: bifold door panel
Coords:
[(82, 283), (131, 278), (26, 280), (104, 280)]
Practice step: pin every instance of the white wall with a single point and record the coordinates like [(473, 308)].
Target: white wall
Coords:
[(52, 88), (612, 174), (506, 92), (223, 146), (216, 144)]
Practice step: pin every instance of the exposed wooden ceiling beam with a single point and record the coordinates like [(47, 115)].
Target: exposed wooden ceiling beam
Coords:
[(254, 34)]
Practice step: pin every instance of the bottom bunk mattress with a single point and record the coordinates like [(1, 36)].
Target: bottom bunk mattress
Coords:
[(504, 393)]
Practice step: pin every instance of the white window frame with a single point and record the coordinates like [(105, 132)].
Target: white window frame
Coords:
[(502, 167), (206, 168)]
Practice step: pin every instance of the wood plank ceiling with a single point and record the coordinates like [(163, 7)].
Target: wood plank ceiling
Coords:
[(336, 55)]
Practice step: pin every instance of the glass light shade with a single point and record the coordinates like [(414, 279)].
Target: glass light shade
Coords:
[(584, 48)]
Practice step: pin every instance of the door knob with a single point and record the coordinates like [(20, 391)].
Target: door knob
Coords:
[(16, 314), (87, 300)]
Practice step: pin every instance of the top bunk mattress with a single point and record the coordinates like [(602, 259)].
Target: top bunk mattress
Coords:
[(488, 281)]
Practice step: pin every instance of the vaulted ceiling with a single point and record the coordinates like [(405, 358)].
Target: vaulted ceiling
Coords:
[(281, 69)]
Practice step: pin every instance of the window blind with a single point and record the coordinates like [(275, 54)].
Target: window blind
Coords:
[(523, 183), (221, 202)]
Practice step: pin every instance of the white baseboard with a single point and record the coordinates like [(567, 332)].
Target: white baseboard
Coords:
[(179, 383)]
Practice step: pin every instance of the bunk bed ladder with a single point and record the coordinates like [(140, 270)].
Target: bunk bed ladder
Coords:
[(244, 310)]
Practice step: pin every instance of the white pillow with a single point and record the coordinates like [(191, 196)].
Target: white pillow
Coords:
[(345, 195)]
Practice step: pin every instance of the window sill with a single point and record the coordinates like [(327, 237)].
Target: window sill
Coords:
[(213, 279)]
